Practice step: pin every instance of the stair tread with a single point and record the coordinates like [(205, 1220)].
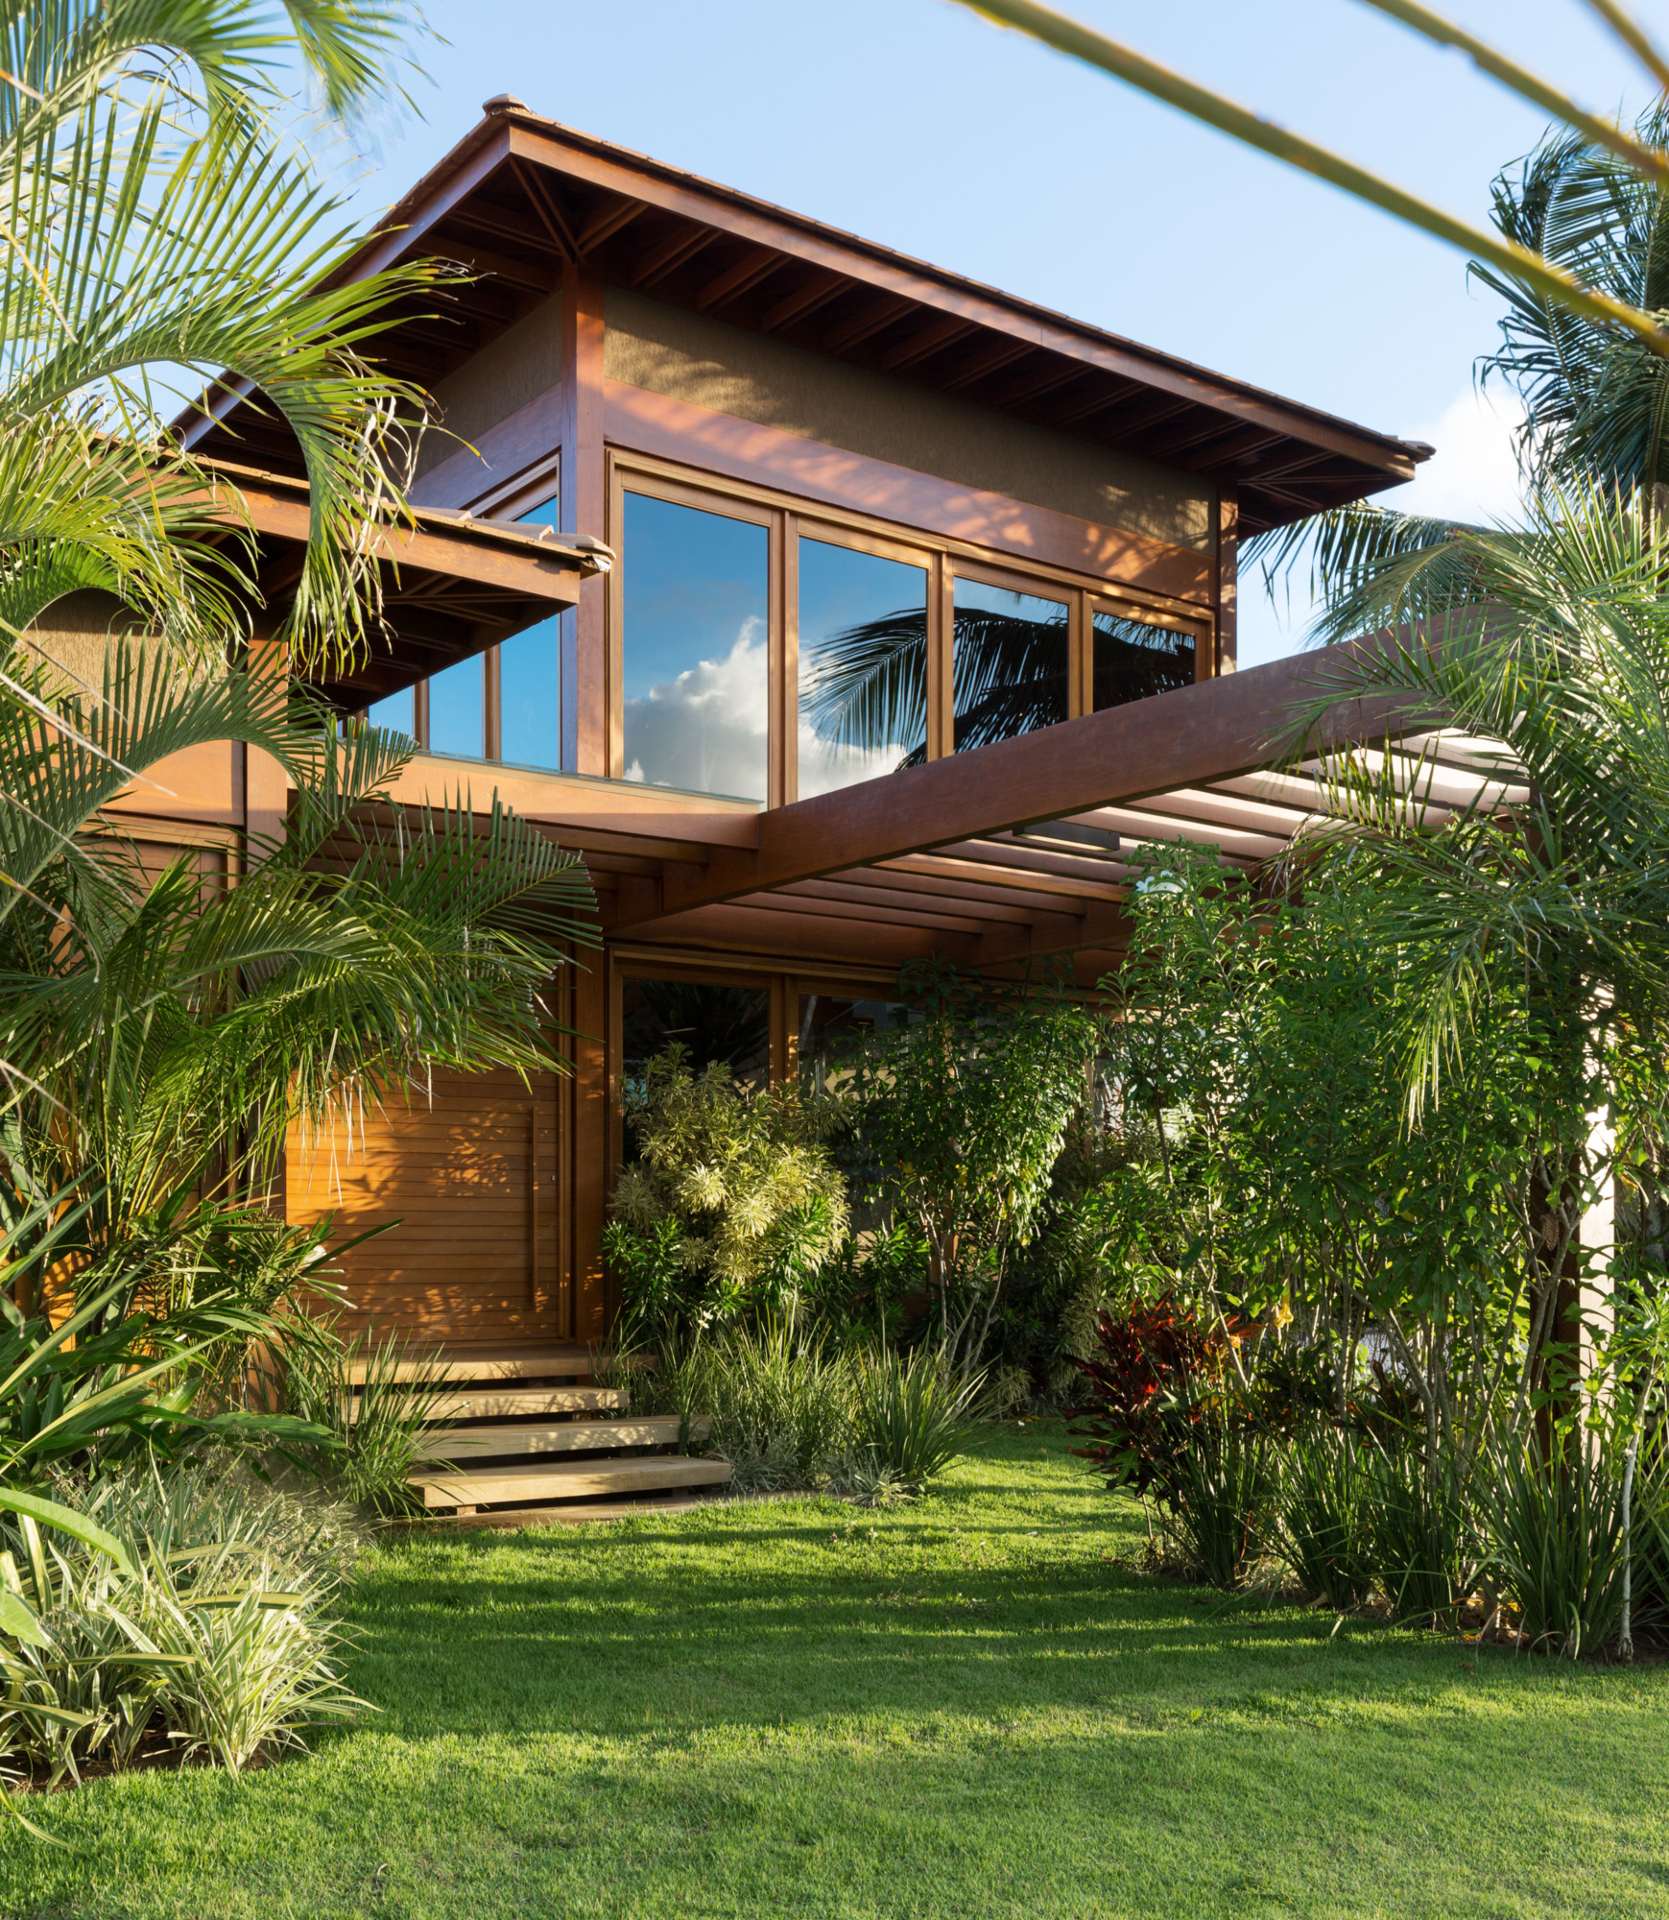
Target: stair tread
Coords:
[(518, 1360), (574, 1513), (488, 1403), (546, 1436), (566, 1479)]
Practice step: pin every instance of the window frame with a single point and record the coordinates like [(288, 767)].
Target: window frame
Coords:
[(944, 560)]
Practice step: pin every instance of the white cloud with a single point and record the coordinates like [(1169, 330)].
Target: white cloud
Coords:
[(1472, 476), (707, 730)]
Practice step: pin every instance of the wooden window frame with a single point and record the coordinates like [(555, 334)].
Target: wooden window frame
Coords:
[(788, 517)]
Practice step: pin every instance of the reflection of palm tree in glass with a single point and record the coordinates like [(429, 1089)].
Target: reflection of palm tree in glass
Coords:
[(867, 686)]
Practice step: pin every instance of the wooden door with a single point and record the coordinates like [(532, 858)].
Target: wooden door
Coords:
[(469, 1177)]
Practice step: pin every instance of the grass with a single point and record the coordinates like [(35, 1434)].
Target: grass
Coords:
[(966, 1707)]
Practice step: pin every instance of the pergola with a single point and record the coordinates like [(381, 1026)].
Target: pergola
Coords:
[(1024, 850)]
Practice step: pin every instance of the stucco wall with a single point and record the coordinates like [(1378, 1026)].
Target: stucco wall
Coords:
[(523, 362), (708, 363)]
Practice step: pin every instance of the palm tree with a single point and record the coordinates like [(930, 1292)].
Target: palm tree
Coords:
[(1595, 397), (160, 227), (1551, 650)]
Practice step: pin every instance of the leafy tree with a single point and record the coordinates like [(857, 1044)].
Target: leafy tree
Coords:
[(963, 1110)]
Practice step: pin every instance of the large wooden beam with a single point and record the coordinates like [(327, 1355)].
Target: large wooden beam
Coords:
[(1214, 730)]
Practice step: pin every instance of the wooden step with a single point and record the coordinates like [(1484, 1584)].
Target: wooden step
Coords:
[(518, 1361), (526, 1480), (544, 1436), (579, 1513), (498, 1403)]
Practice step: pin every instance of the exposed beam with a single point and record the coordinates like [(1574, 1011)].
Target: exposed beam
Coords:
[(1219, 729)]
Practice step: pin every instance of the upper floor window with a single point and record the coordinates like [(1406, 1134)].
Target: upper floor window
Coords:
[(501, 704), (530, 677), (862, 667), (1132, 658), (695, 648), (1011, 662), (771, 650)]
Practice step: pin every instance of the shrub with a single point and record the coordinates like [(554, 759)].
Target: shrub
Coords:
[(1420, 1532), (781, 1407), (1553, 1520), (1321, 1508), (910, 1418), (377, 1425), (1132, 1398), (733, 1203), (213, 1639), (1215, 1499)]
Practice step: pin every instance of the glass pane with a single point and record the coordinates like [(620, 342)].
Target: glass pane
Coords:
[(1011, 663), (832, 1031), (711, 1022), (696, 662), (863, 666), (457, 709), (398, 712), (1133, 659), (530, 679)]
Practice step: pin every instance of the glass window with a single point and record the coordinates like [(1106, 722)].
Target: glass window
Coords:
[(398, 712), (458, 709), (834, 1028), (696, 651), (1011, 663), (710, 1021), (530, 679), (1132, 658), (863, 666)]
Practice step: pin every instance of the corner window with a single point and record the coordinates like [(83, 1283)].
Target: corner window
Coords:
[(863, 665), (1011, 663), (530, 678), (458, 709), (695, 648)]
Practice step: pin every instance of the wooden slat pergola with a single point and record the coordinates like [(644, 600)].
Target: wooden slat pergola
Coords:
[(1025, 849)]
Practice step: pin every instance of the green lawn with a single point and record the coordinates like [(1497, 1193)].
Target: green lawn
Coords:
[(965, 1708)]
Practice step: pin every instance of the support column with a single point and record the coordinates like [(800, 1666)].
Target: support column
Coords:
[(587, 691), (1225, 576)]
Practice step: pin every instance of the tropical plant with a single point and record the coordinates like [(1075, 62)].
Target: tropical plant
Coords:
[(732, 1204), (1552, 1515), (167, 222), (779, 1403), (910, 1420), (964, 1111), (209, 1637), (1420, 1528), (374, 1398), (1320, 1524), (167, 1035)]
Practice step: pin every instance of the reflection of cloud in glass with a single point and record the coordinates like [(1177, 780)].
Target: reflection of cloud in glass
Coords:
[(706, 729)]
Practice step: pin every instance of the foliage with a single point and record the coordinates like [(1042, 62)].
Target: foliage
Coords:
[(964, 1110), (910, 1418), (1320, 1531), (373, 1398), (1421, 1531), (733, 1203), (211, 1639), (780, 1404), (167, 222), (1553, 1515)]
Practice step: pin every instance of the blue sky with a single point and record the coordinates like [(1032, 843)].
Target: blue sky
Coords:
[(917, 124)]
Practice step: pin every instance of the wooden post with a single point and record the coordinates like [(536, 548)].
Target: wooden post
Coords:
[(1226, 579), (588, 694)]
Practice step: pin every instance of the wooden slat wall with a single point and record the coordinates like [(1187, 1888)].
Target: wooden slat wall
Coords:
[(472, 1177)]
